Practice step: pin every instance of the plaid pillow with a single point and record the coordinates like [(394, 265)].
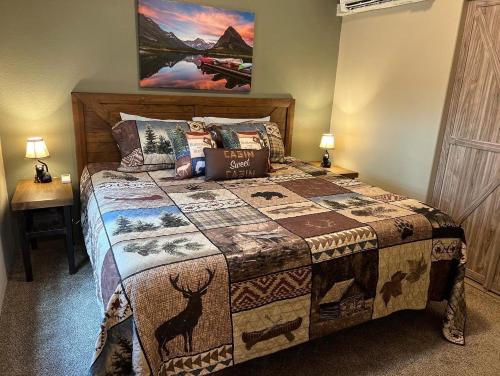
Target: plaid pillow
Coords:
[(268, 132), (145, 145), (275, 142), (188, 150)]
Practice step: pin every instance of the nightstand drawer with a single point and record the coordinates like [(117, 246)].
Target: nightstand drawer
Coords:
[(44, 221)]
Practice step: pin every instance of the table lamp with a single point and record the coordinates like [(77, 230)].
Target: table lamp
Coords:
[(36, 149), (327, 142)]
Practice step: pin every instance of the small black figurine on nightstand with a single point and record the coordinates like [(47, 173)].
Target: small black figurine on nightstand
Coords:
[(327, 142), (36, 149)]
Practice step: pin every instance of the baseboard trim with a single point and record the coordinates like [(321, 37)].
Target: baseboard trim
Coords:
[(481, 288), (3, 287), (475, 276)]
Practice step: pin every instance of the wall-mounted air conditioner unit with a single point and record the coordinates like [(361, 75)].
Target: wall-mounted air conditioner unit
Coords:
[(346, 7)]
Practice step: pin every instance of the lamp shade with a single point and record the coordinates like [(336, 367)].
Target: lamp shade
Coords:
[(327, 141), (36, 148)]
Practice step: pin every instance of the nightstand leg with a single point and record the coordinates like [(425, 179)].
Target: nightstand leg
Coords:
[(21, 219), (69, 239)]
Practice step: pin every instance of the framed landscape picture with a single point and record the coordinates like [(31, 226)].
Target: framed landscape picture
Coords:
[(190, 46)]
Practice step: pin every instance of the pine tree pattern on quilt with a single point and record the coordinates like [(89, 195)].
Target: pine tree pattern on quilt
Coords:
[(194, 277)]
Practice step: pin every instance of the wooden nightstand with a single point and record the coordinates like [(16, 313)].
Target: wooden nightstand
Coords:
[(43, 210), (337, 170)]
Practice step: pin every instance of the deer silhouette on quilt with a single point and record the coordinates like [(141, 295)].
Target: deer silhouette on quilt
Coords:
[(186, 320)]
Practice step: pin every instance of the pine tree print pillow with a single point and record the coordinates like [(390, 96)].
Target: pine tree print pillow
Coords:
[(189, 152), (146, 146)]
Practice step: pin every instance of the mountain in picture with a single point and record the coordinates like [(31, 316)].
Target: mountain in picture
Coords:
[(231, 43), (152, 36), (199, 44)]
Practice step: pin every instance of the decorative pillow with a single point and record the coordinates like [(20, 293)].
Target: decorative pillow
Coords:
[(276, 146), (145, 145), (241, 140), (222, 164), (268, 132), (188, 150)]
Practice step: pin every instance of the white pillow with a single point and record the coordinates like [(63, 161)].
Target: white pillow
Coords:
[(125, 116), (218, 120), (199, 119)]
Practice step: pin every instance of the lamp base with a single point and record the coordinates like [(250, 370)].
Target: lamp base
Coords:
[(42, 173), (326, 163), (47, 179)]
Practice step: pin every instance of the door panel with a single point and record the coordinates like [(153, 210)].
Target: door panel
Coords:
[(495, 286), (482, 250), (468, 177), (480, 80), (469, 173)]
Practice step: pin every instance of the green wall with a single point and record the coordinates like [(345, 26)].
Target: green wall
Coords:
[(50, 48)]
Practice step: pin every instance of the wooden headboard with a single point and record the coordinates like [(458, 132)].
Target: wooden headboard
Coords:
[(95, 113)]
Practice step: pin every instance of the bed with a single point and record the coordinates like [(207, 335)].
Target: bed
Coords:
[(194, 276)]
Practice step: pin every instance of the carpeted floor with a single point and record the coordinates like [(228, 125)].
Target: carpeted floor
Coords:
[(48, 327)]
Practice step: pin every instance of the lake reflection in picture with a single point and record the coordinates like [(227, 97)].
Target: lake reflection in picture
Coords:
[(174, 70)]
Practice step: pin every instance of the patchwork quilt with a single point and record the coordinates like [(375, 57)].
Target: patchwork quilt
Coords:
[(196, 276)]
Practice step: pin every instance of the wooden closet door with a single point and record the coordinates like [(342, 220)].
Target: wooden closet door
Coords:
[(468, 176)]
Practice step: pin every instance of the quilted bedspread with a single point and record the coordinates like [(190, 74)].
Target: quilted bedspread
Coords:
[(196, 276)]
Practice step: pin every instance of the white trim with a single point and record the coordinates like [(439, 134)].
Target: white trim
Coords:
[(345, 7)]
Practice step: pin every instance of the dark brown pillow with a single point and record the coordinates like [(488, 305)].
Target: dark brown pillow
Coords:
[(223, 164)]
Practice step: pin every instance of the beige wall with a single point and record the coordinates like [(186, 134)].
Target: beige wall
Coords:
[(392, 77), (50, 48), (5, 231)]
